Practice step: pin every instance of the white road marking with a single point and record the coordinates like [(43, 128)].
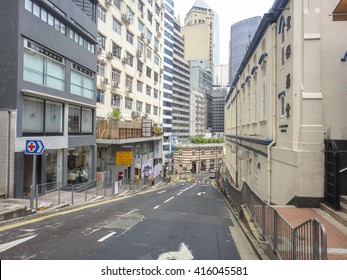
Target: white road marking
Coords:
[(169, 199), (179, 193), (107, 236), (162, 192), (132, 211), (94, 231), (183, 253), (156, 207), (9, 245), (201, 193)]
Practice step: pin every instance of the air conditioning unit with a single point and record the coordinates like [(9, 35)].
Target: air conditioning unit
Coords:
[(124, 60), (146, 115), (139, 53), (99, 49), (128, 89), (142, 15), (109, 55), (126, 18), (140, 74), (148, 41), (158, 34), (143, 35), (108, 2), (156, 49), (105, 81), (136, 114), (115, 84)]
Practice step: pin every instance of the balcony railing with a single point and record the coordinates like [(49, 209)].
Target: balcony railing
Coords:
[(120, 130)]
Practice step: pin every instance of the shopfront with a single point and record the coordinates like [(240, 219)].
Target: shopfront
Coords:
[(79, 167)]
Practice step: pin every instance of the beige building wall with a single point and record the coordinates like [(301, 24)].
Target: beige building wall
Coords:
[(288, 106), (198, 33), (146, 49)]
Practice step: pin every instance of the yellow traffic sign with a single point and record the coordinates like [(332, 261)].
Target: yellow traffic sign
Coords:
[(124, 158)]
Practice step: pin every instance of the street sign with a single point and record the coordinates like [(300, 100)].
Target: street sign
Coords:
[(124, 158), (34, 147)]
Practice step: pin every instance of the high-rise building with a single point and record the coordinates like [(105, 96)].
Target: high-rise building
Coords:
[(181, 87), (169, 19), (222, 73), (218, 103), (200, 98), (241, 35), (47, 92), (130, 88), (201, 29)]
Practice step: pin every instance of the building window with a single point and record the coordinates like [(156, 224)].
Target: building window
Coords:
[(148, 72), (155, 94), (283, 109), (193, 152), (42, 117), (156, 60), (155, 110), (264, 93), (139, 86), (101, 12), (100, 68), (82, 81), (80, 120), (115, 100), (180, 153), (47, 17), (101, 41), (129, 83), (156, 77), (140, 6), (100, 96), (139, 106), (116, 50), (43, 67), (148, 108), (116, 3), (149, 53), (128, 103), (140, 26), (129, 59), (139, 66), (130, 37), (148, 90), (116, 75), (117, 26)]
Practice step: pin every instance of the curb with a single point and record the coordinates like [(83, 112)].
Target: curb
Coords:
[(263, 253)]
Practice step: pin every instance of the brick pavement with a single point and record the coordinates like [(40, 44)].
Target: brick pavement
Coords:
[(336, 232)]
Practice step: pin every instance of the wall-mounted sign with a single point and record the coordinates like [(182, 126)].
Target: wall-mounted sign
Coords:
[(124, 158)]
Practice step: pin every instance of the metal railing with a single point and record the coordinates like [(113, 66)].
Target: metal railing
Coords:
[(307, 241), (49, 194)]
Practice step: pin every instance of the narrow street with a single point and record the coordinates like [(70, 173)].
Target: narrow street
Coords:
[(185, 221)]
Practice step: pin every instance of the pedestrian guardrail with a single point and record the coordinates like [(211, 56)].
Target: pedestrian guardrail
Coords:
[(307, 241), (49, 194)]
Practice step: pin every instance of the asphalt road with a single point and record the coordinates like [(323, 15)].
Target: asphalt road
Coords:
[(185, 221)]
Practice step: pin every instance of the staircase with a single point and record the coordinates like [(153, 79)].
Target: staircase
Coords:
[(341, 215)]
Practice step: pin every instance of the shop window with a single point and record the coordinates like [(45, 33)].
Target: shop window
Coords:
[(80, 120), (79, 165), (42, 117)]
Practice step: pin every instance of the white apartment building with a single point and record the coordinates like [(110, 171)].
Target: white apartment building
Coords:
[(288, 105), (130, 67)]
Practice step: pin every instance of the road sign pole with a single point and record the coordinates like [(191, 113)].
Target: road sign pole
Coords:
[(34, 179)]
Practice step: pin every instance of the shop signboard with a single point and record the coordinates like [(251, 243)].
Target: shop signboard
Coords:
[(124, 158)]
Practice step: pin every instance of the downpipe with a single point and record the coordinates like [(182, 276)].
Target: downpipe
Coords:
[(274, 110)]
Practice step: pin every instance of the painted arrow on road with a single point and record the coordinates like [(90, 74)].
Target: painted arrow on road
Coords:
[(201, 193), (182, 254)]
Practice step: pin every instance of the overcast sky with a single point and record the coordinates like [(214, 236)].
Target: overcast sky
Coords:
[(229, 12)]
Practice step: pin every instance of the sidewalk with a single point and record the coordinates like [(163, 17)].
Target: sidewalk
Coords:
[(336, 232)]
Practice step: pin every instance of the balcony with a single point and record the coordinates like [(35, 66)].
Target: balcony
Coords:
[(120, 132)]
